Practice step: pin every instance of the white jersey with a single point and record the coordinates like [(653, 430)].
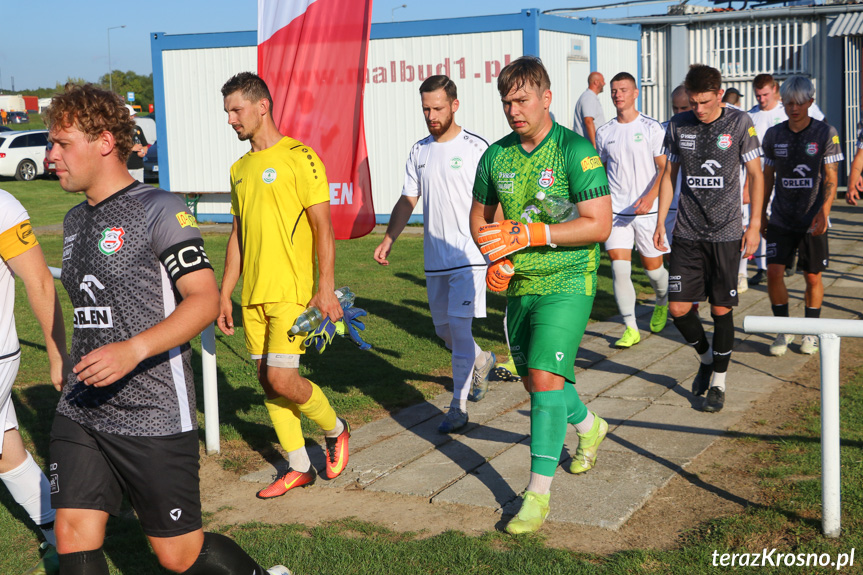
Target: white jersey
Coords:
[(12, 236), (443, 173), (628, 152), (763, 120)]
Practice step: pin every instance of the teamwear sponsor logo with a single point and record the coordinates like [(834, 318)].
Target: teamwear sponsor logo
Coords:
[(709, 165), (111, 240), (55, 483), (92, 318), (688, 136), (559, 355), (518, 358), (506, 175), (752, 131), (269, 176), (25, 234), (505, 182), (723, 142), (466, 302), (88, 283), (802, 182), (187, 220), (67, 246), (713, 182), (176, 513), (732, 293), (836, 140), (687, 144), (771, 250), (456, 163), (505, 187), (674, 286), (546, 178), (187, 259), (590, 163), (781, 152), (812, 148)]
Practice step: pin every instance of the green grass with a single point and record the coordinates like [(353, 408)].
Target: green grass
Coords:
[(407, 365), (36, 123)]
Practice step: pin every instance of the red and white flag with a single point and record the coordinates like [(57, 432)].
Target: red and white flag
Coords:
[(312, 55)]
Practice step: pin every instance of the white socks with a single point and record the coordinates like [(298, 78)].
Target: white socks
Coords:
[(624, 291), (540, 484), (298, 459), (586, 424), (719, 380), (707, 356), (30, 489), (464, 353), (337, 430), (659, 281)]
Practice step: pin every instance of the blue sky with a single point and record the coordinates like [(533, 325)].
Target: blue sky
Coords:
[(57, 39)]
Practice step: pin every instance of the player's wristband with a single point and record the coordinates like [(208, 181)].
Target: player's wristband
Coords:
[(539, 235)]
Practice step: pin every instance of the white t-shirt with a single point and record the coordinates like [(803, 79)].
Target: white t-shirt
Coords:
[(766, 119), (12, 213), (588, 106), (628, 152), (443, 174)]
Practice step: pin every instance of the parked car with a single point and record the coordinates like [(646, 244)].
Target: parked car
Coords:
[(22, 154), (18, 118), (50, 169), (151, 164), (6, 129)]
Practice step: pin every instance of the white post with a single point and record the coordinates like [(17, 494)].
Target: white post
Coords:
[(829, 332), (831, 506), (211, 393)]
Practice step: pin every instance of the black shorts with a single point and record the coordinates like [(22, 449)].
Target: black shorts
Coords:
[(700, 270), (812, 251), (92, 470)]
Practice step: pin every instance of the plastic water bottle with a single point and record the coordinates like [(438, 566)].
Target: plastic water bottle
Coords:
[(558, 208), (312, 317)]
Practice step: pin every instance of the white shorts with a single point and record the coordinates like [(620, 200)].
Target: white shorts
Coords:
[(627, 231), (458, 294), (8, 373)]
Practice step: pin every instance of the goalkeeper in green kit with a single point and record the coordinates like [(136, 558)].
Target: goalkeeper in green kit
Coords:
[(548, 268)]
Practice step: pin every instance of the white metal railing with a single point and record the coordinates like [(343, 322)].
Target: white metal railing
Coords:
[(211, 393), (829, 332)]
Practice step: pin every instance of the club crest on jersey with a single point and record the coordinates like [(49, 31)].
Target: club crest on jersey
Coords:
[(269, 176), (546, 178), (723, 142), (812, 148), (456, 162), (111, 240), (639, 137)]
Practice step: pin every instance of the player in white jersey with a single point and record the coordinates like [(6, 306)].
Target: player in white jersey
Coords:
[(630, 146), (20, 255), (441, 170)]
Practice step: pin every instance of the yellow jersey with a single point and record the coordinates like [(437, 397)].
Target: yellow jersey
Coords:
[(270, 192)]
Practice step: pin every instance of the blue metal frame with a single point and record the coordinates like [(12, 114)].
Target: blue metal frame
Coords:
[(530, 21)]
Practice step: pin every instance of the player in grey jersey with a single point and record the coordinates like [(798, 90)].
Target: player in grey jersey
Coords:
[(709, 143), (797, 152), (141, 285)]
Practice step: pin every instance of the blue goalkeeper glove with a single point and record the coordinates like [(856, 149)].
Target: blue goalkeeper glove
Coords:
[(321, 336), (353, 326)]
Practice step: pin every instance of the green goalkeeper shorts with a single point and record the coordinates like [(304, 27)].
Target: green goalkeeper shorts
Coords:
[(546, 330)]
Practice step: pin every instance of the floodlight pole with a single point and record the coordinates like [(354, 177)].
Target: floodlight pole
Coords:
[(393, 12), (110, 71)]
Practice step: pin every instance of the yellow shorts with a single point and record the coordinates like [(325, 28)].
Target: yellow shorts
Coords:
[(266, 326)]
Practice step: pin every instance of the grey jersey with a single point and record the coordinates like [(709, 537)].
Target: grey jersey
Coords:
[(710, 157), (121, 260), (798, 159)]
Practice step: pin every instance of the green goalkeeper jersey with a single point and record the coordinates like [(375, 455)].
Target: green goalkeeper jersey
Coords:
[(565, 165)]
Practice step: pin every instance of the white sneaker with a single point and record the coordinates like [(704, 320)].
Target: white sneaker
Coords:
[(780, 345), (809, 345), (279, 570), (742, 284)]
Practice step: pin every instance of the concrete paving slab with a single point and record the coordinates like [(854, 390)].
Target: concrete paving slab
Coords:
[(453, 460), (607, 495), (612, 410), (493, 484), (670, 432)]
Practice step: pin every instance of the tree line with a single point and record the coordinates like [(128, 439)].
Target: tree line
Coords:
[(123, 82)]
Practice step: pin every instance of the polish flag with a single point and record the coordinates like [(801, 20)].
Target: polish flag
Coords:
[(312, 55)]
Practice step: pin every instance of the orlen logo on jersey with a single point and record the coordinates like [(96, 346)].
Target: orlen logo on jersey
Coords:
[(801, 170), (92, 317), (111, 240), (546, 178), (705, 182)]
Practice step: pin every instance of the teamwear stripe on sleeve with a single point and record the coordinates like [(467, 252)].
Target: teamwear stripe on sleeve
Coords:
[(178, 375), (748, 157), (768, 161), (593, 193), (834, 158), (671, 157), (477, 137), (296, 223)]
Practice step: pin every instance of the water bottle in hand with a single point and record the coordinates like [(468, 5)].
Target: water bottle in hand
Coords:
[(561, 209), (312, 317)]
